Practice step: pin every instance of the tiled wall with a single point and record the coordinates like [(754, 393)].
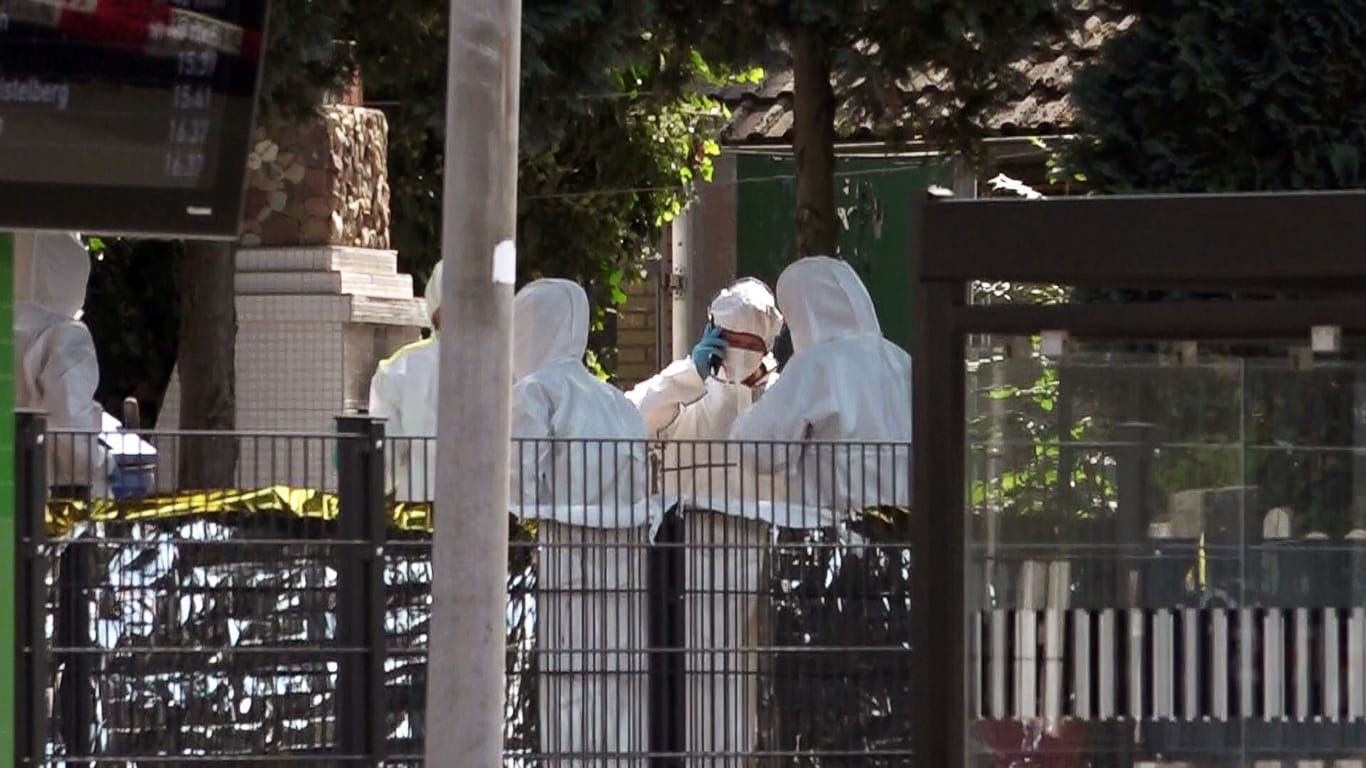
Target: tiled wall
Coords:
[(311, 325), (293, 376)]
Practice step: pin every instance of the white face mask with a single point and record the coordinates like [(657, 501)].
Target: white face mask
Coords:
[(738, 364)]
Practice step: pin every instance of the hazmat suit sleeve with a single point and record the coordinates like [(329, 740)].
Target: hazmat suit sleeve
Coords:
[(385, 403), (382, 396), (532, 454), (67, 377), (789, 412), (664, 396)]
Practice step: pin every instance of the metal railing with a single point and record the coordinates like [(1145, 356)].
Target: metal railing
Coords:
[(722, 608)]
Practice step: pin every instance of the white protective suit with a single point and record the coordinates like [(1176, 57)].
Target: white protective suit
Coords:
[(678, 404), (725, 551), (590, 497), (55, 365), (403, 392), (845, 382)]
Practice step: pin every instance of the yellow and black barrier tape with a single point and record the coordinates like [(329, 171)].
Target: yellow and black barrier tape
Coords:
[(63, 515)]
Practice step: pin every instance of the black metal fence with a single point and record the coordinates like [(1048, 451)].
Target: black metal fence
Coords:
[(726, 605)]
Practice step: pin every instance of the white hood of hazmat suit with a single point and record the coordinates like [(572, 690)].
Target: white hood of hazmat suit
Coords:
[(56, 369), (403, 392), (747, 306), (678, 404), (845, 382), (599, 484)]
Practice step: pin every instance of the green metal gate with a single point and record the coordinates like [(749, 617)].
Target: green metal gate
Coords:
[(874, 197)]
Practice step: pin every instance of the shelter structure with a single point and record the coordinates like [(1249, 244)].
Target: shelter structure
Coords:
[(1137, 527)]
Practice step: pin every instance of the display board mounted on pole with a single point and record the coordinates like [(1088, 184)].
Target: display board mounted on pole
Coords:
[(127, 116)]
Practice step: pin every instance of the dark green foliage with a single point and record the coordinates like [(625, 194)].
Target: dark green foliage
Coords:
[(1227, 95), (302, 60), (611, 133), (133, 316)]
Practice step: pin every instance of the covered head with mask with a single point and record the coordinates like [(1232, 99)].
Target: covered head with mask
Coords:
[(844, 382), (403, 393), (589, 496), (745, 317), (56, 369), (700, 397)]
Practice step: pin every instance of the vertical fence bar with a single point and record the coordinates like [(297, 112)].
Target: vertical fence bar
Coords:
[(667, 639), (71, 624), (362, 727), (30, 640), (350, 699), (377, 532)]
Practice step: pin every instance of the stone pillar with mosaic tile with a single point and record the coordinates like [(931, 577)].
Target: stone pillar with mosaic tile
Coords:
[(320, 299)]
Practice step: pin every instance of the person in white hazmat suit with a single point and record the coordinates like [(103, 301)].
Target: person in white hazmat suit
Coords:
[(844, 382), (696, 400), (403, 392), (56, 369), (590, 498)]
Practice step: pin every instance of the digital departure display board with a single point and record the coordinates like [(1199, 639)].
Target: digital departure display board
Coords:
[(127, 116)]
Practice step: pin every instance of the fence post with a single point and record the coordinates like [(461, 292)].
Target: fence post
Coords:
[(362, 707), (30, 594), (667, 630), (75, 695)]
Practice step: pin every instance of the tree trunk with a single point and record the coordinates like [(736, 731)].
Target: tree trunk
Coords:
[(206, 360), (813, 144)]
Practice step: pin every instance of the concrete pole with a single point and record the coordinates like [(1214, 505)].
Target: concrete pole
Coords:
[(465, 673), (686, 327)]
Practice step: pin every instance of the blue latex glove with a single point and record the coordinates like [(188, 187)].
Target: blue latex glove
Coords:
[(708, 352)]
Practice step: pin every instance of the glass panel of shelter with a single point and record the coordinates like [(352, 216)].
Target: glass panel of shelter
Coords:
[(1166, 552)]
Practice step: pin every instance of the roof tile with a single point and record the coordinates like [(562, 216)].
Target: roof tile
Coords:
[(762, 114)]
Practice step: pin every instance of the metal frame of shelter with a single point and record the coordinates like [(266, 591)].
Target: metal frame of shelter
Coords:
[(1310, 242)]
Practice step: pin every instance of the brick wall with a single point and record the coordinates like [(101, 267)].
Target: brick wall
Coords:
[(638, 328), (712, 267)]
